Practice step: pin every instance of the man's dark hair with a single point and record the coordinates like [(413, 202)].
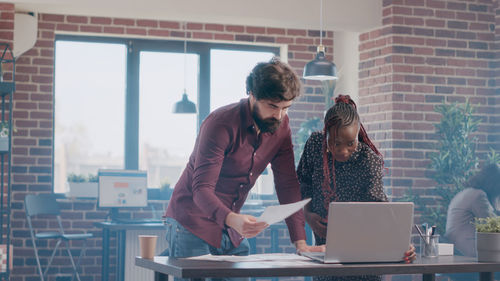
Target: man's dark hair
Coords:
[(273, 80)]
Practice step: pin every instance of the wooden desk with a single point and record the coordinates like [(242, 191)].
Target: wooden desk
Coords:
[(121, 230), (199, 270)]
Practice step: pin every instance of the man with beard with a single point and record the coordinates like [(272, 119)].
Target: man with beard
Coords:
[(235, 144)]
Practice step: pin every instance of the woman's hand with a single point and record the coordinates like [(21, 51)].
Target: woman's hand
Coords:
[(316, 222), (410, 255), (246, 225)]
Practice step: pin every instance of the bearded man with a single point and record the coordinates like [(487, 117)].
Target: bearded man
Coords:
[(234, 146)]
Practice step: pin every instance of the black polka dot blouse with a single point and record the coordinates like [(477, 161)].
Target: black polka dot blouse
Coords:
[(358, 179)]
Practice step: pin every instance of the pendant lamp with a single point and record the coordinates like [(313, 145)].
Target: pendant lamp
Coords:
[(320, 68), (184, 105)]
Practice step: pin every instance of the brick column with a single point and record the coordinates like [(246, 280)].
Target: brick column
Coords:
[(426, 52)]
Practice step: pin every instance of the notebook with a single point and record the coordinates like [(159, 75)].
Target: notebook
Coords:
[(366, 232)]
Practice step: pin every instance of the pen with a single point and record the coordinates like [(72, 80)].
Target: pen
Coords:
[(433, 230), (421, 234)]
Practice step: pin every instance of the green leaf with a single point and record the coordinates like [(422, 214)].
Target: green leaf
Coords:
[(452, 164)]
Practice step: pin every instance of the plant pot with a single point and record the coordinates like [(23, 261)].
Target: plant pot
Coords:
[(82, 189), (488, 247), (4, 143)]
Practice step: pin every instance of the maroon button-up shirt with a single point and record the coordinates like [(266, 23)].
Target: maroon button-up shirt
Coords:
[(227, 159)]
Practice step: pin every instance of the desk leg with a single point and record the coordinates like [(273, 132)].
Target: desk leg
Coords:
[(429, 277), (120, 255), (105, 255), (486, 276)]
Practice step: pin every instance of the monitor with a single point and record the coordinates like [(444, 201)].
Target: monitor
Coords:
[(122, 188)]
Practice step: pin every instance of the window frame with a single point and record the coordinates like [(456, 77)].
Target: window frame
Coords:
[(134, 47)]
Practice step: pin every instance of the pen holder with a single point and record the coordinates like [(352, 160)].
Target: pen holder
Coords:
[(429, 246)]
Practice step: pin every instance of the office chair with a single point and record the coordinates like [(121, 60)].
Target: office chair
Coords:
[(46, 204)]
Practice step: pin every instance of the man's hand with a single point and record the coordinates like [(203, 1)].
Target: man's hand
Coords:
[(302, 246), (246, 225), (317, 223)]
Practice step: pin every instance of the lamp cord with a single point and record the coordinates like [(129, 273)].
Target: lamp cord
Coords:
[(321, 22)]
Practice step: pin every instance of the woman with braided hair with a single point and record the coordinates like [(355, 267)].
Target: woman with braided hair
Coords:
[(340, 164)]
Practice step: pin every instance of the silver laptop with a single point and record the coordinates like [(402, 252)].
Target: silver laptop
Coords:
[(366, 232)]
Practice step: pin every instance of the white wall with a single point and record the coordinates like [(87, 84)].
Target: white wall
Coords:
[(346, 57)]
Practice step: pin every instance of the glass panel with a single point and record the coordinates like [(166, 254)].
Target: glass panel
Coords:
[(166, 140), (89, 109), (227, 84)]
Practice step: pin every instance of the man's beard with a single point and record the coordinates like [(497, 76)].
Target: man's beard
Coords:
[(265, 125)]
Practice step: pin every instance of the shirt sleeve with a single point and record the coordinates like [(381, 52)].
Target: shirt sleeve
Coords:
[(374, 178), (482, 207), (287, 186), (214, 139), (305, 170)]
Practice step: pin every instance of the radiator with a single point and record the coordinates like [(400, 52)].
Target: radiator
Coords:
[(133, 272)]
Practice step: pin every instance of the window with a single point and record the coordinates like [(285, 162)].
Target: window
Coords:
[(89, 108), (166, 139), (114, 99)]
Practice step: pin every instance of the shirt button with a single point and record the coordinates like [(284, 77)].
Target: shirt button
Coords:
[(251, 174), (255, 153), (241, 186)]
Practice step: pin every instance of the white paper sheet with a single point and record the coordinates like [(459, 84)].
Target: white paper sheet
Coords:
[(276, 213), (277, 257)]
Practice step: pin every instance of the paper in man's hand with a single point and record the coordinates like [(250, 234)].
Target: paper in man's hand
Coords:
[(276, 213)]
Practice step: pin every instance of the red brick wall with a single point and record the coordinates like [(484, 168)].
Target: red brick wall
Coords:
[(33, 113), (497, 63), (427, 52), (416, 60), (6, 36), (7, 22)]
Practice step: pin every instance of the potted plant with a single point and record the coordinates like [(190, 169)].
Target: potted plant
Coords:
[(488, 239), (82, 186), (452, 164)]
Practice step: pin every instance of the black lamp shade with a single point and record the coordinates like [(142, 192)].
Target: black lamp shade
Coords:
[(320, 68), (185, 105)]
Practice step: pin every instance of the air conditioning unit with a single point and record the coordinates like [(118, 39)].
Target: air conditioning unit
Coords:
[(25, 32)]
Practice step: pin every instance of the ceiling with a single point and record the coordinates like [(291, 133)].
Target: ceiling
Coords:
[(338, 15)]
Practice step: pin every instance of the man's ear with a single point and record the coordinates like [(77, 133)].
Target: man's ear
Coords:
[(252, 97)]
